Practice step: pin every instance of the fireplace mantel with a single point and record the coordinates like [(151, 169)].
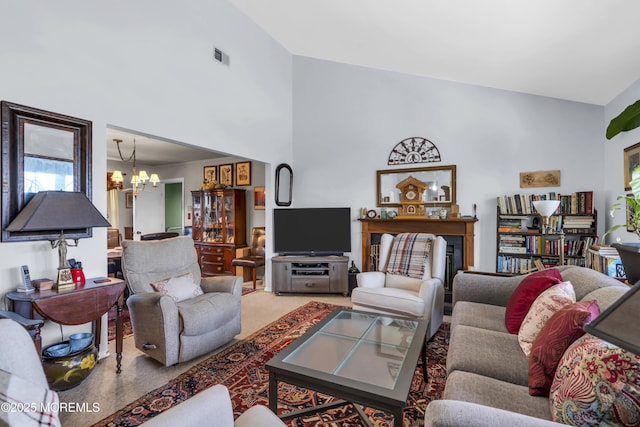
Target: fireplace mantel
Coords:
[(463, 227)]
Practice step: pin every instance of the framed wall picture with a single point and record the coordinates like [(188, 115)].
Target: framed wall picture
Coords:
[(258, 198), (129, 200), (226, 175), (210, 173), (631, 160), (540, 179), (243, 173)]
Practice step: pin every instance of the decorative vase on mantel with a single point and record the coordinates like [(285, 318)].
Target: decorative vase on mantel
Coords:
[(630, 257)]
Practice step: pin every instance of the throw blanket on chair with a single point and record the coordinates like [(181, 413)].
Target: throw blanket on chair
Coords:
[(408, 254)]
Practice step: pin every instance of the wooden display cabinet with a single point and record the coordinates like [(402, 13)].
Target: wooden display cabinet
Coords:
[(218, 228)]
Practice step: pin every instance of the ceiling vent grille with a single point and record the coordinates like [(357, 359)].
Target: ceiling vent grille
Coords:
[(220, 56)]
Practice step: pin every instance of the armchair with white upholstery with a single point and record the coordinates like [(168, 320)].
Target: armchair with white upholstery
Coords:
[(176, 314), (384, 292)]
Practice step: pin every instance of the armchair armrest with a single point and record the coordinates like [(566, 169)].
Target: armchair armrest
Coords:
[(33, 326), (230, 284), (155, 322), (370, 279)]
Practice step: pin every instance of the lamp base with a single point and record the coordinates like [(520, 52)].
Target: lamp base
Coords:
[(64, 277)]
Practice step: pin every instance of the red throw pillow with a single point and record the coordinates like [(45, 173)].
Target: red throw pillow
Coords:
[(560, 331), (524, 295)]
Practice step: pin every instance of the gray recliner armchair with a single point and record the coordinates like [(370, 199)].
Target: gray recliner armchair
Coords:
[(174, 329)]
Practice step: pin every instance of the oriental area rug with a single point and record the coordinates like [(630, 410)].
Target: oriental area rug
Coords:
[(126, 319), (241, 368)]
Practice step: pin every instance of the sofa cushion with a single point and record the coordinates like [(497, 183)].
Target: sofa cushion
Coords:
[(586, 280), (207, 312), (489, 353), (390, 299), (179, 288), (596, 383), (485, 316), (605, 296), (562, 329), (402, 282), (527, 291), (545, 306), (470, 387)]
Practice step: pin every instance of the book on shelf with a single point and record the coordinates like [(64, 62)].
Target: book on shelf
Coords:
[(580, 202), (513, 249)]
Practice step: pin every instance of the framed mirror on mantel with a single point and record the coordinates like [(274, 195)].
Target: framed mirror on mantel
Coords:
[(440, 184)]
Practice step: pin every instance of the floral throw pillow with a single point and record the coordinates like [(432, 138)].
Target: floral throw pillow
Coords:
[(545, 306), (564, 327), (596, 383), (179, 288)]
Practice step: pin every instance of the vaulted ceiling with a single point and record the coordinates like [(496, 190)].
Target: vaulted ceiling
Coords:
[(580, 50)]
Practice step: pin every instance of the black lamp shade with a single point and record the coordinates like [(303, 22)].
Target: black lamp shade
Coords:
[(58, 210)]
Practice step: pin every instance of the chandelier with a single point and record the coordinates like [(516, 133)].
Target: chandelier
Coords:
[(139, 179)]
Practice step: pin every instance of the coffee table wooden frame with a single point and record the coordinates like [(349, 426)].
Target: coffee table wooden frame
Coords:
[(347, 390)]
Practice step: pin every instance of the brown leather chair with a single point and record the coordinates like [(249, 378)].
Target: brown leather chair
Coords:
[(255, 258)]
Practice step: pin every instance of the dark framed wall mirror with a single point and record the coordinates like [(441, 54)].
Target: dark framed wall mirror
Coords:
[(42, 151), (284, 185)]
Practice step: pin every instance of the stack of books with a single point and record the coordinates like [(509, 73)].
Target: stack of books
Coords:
[(605, 259)]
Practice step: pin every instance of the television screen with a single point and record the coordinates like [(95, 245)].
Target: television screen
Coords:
[(312, 231)]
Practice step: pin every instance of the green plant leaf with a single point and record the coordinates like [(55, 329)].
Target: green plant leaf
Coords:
[(627, 120)]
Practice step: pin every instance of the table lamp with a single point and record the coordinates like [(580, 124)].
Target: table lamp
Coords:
[(546, 208), (59, 210)]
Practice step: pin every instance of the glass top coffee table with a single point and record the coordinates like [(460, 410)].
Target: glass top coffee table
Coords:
[(364, 358)]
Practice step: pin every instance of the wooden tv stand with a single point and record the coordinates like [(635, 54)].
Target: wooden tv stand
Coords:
[(310, 274)]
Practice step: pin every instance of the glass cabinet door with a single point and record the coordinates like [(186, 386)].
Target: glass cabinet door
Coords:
[(208, 217), (218, 217), (229, 232), (196, 225)]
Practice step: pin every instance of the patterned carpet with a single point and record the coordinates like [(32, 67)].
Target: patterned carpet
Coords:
[(126, 319), (241, 368)]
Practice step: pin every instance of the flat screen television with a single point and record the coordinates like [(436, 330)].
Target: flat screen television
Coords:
[(312, 231)]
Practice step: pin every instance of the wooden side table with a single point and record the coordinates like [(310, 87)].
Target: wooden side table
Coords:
[(76, 306)]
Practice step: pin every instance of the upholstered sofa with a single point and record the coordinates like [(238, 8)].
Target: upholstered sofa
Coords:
[(487, 371)]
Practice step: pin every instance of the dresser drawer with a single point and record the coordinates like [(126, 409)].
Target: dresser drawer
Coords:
[(206, 249), (310, 284)]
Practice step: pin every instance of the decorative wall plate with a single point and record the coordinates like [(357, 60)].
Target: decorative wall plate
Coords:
[(414, 150)]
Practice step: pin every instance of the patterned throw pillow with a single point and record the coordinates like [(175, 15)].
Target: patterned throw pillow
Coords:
[(545, 306), (179, 288), (527, 291), (562, 329), (409, 254), (596, 383)]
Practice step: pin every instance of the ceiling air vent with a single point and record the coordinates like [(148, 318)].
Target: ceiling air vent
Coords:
[(220, 56)]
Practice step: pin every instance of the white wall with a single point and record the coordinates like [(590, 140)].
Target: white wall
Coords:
[(348, 118), (613, 164), (145, 66)]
